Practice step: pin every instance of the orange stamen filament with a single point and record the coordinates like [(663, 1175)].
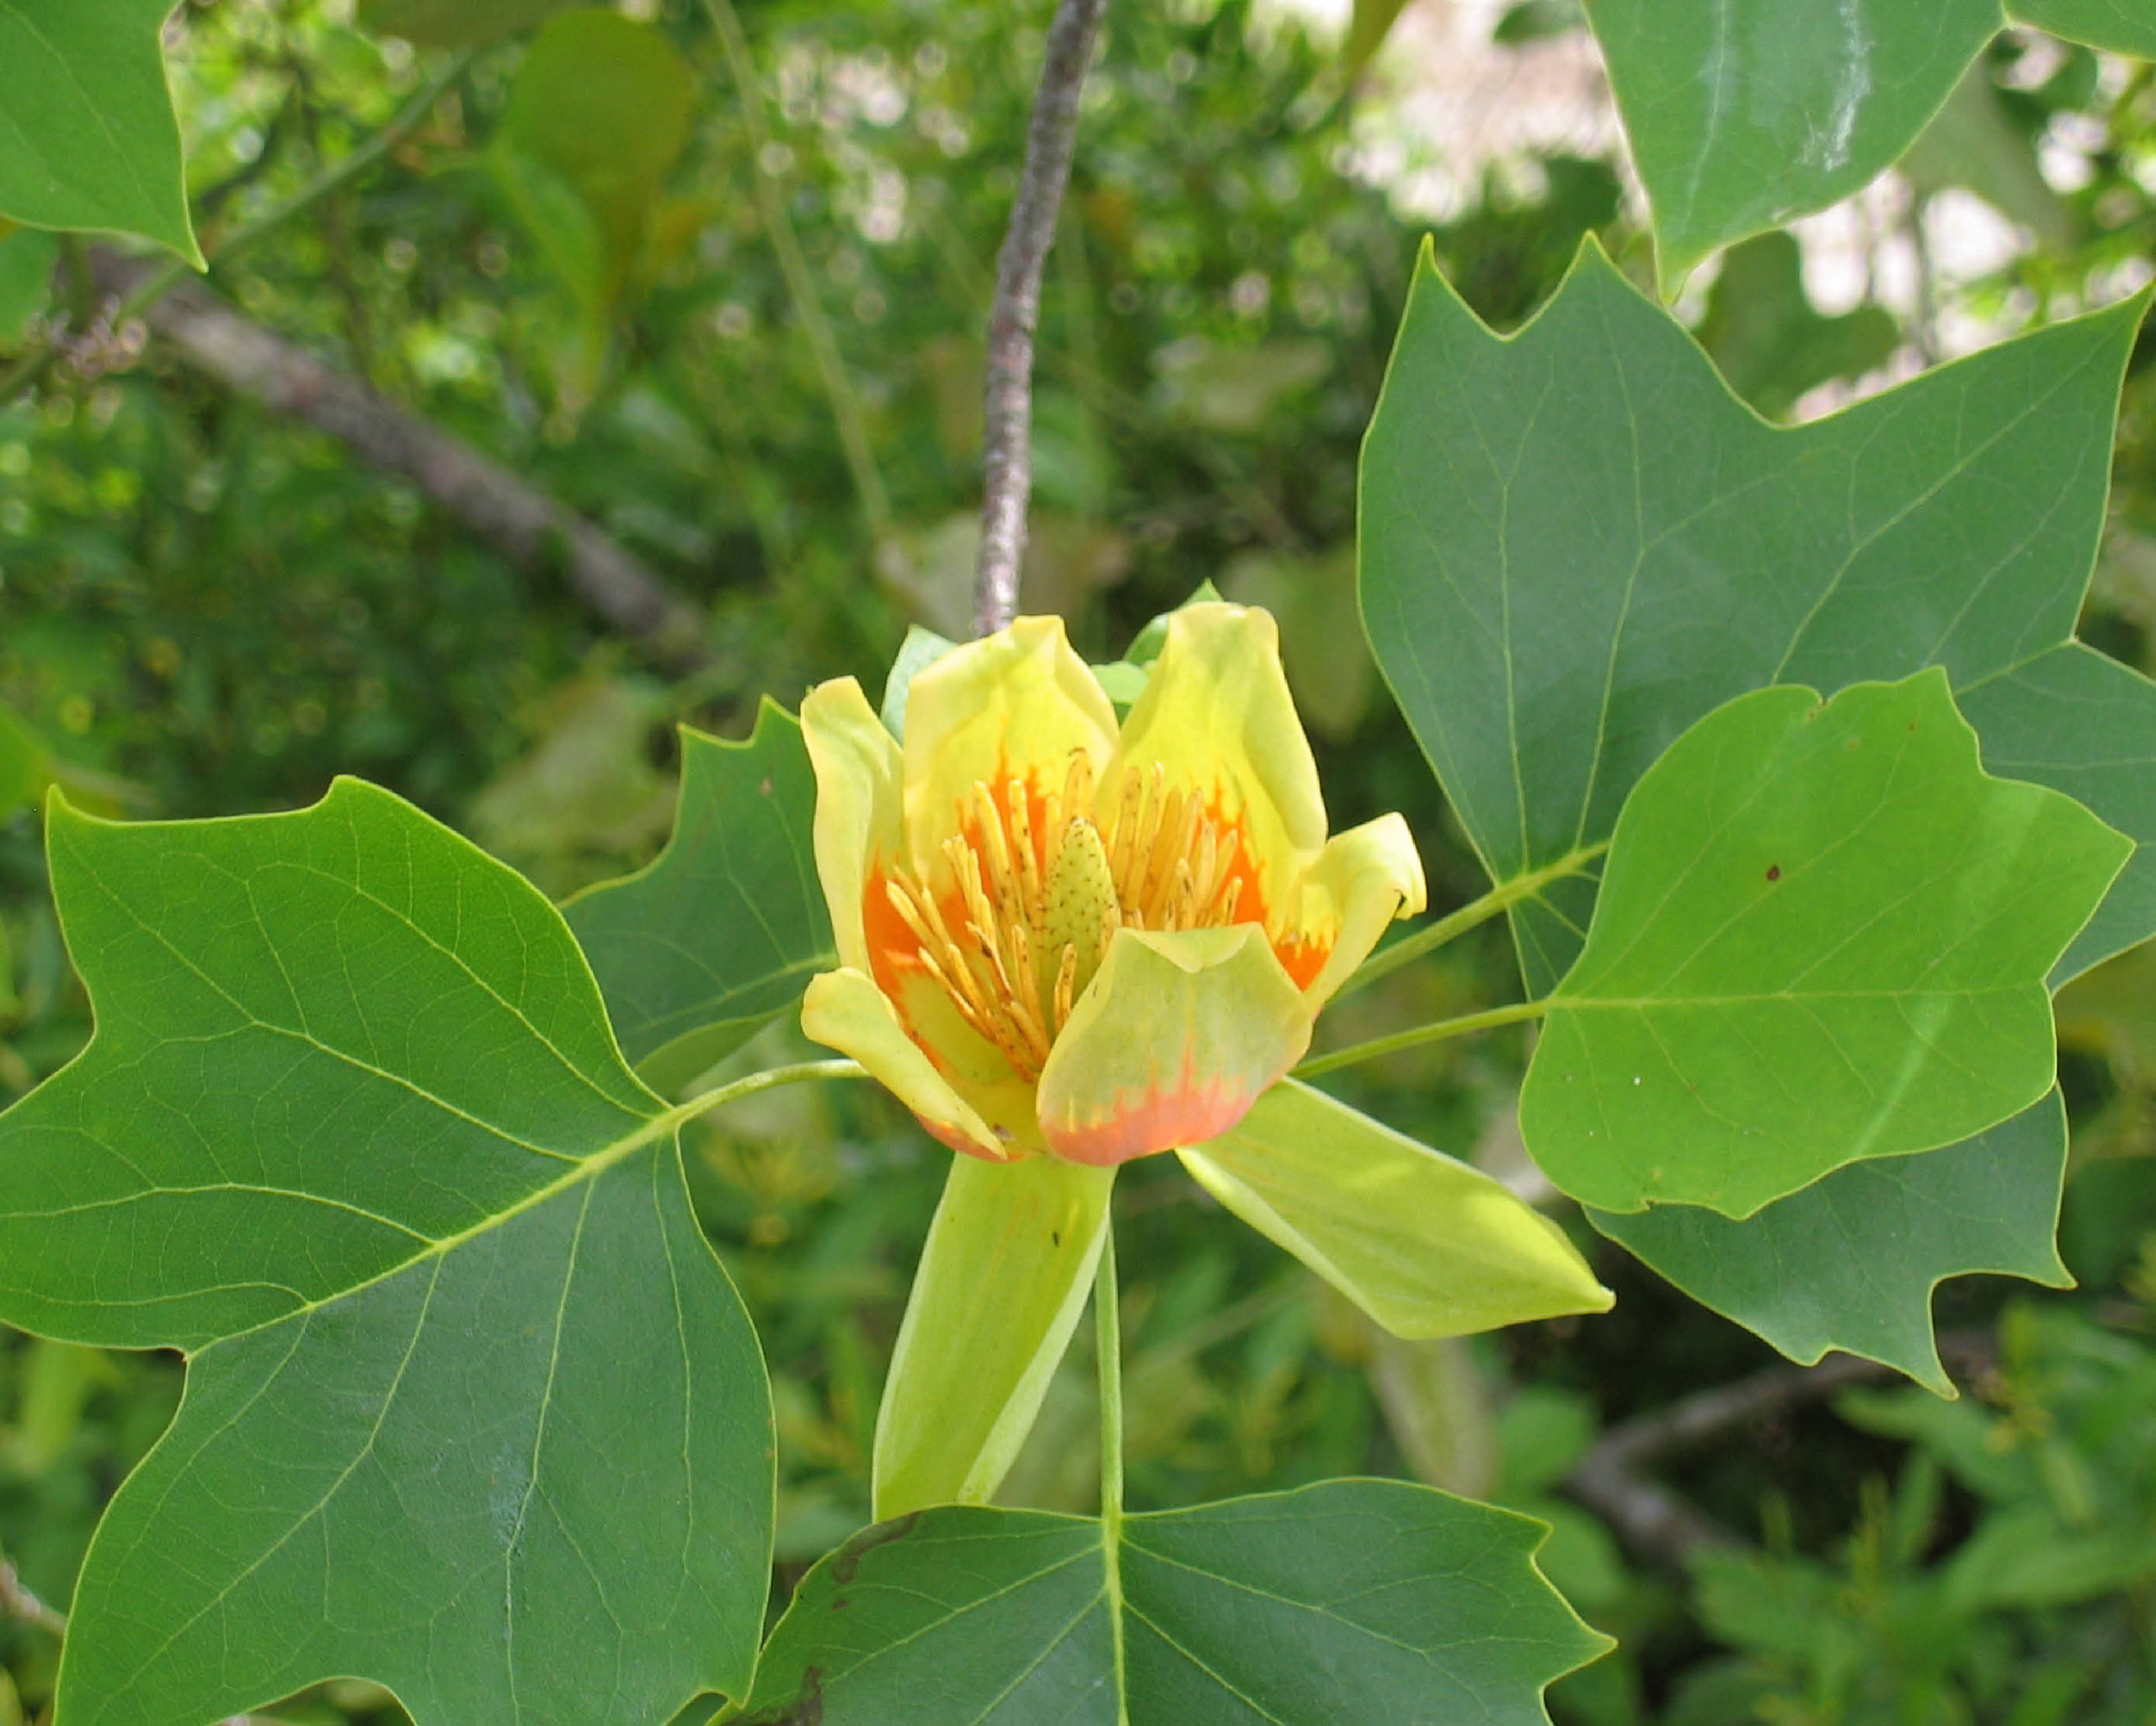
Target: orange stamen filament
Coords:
[(1040, 890)]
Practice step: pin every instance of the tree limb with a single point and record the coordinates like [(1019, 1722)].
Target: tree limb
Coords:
[(1015, 313), (1658, 1523), (490, 500)]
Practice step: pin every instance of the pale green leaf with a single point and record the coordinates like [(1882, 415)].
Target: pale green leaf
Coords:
[(57, 1381), (1002, 1281), (472, 1409), (1427, 1246), (1822, 937), (456, 23), (88, 138), (722, 933), (1850, 1261), (1364, 1600), (1574, 542), (597, 116)]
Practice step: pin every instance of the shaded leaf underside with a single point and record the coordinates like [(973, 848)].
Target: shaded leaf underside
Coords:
[(1850, 1261), (721, 934)]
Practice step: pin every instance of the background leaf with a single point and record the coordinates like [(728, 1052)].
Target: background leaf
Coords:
[(1575, 542), (721, 934), (598, 114), (353, 1106), (1822, 937), (1850, 1261), (456, 23), (88, 139), (1368, 24), (1348, 1600)]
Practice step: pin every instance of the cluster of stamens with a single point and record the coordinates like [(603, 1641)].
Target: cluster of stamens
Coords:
[(1038, 908)]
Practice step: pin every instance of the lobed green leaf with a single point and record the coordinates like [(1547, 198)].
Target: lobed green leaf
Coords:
[(1822, 937), (353, 1131), (1575, 542), (1356, 1600)]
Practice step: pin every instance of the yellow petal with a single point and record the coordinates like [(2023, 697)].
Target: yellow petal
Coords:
[(1427, 1246), (1362, 880), (1171, 1045), (845, 1011), (1013, 704), (1002, 1281), (857, 804), (1217, 716)]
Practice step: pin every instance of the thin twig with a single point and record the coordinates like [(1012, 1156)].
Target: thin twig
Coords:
[(1007, 439), (800, 285), (1658, 1523)]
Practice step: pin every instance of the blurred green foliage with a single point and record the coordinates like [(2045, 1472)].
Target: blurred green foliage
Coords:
[(206, 610)]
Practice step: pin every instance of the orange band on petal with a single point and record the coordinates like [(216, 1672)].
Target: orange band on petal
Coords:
[(1188, 1113)]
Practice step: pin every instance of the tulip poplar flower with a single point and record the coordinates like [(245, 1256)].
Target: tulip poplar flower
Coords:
[(1064, 944)]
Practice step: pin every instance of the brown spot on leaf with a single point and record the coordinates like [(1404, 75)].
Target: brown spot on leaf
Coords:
[(765, 789), (1773, 872)]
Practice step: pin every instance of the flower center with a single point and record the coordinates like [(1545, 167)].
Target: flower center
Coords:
[(1041, 890)]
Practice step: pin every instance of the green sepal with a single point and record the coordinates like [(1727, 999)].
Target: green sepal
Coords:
[(1428, 1247), (1002, 1282)]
